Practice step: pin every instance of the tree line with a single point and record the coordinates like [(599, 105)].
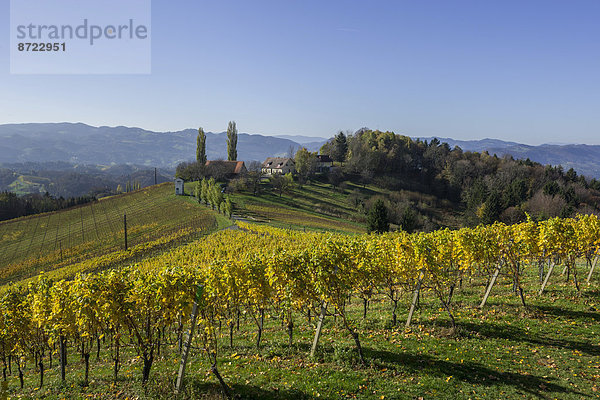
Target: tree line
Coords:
[(210, 193), (13, 206)]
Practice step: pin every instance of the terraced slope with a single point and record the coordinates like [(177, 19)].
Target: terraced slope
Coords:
[(53, 240)]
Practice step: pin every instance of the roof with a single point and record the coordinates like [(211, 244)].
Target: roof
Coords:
[(324, 158), (230, 167), (276, 162)]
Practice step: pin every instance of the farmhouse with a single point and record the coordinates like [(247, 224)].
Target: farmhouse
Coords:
[(278, 165), (324, 163)]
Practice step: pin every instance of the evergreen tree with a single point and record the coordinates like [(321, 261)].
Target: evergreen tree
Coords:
[(377, 219), (228, 207), (204, 190), (217, 196), (210, 192), (197, 192), (201, 147), (551, 188), (340, 147), (571, 175), (408, 219), (232, 134), (491, 209)]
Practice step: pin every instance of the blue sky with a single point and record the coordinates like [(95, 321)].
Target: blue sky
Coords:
[(526, 71)]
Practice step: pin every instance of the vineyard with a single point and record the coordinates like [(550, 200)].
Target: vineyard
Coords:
[(314, 206), (498, 311), (57, 239)]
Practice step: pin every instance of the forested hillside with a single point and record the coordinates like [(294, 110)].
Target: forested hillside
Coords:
[(486, 188)]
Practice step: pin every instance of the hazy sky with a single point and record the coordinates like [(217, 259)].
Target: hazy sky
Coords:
[(526, 71)]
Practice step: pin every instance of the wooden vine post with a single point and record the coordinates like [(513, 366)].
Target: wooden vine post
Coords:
[(550, 269), (592, 270), (415, 299), (319, 328), (490, 286), (62, 344), (188, 340), (320, 323)]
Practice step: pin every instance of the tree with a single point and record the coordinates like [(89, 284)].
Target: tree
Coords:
[(408, 219), (228, 207), (335, 176), (190, 171), (570, 196), (232, 141), (340, 147), (197, 191), (491, 209), (515, 193), (201, 147), (571, 175), (215, 196), (282, 182), (327, 147), (366, 176), (377, 219), (306, 163), (551, 188), (204, 191), (253, 182), (253, 177), (291, 151)]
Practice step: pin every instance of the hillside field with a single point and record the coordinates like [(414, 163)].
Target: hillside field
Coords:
[(319, 206), (54, 240)]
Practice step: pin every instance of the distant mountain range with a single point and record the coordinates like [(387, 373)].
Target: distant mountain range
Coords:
[(83, 144)]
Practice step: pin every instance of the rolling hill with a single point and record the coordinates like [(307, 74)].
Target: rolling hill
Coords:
[(83, 144)]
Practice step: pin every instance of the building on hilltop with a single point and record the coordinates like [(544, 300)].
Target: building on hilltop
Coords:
[(278, 165), (324, 163)]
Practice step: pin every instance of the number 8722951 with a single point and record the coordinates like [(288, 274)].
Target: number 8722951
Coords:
[(42, 46)]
